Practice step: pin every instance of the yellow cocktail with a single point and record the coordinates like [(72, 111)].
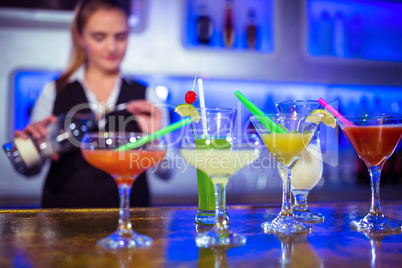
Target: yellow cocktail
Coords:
[(286, 140), (286, 147)]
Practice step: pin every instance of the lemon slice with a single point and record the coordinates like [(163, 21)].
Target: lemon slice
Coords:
[(327, 118), (186, 109)]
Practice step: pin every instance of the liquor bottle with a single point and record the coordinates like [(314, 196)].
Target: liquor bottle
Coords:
[(251, 30), (228, 30), (204, 26)]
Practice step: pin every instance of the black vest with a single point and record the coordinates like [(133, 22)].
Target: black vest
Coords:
[(72, 182)]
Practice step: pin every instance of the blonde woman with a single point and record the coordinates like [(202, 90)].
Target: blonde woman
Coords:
[(93, 79)]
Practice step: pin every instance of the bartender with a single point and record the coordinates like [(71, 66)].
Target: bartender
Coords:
[(99, 33)]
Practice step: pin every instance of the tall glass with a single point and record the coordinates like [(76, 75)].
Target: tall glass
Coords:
[(308, 169), (374, 139), (220, 159), (286, 147), (102, 150), (218, 122)]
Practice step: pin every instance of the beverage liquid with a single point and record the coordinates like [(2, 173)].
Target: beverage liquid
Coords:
[(206, 189)]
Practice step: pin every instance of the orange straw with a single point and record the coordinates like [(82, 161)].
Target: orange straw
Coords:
[(334, 112)]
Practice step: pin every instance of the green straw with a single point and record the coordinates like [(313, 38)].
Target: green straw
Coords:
[(157, 134), (260, 115)]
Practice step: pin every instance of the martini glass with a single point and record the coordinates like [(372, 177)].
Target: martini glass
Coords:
[(220, 160), (286, 148), (374, 139), (101, 151), (308, 169)]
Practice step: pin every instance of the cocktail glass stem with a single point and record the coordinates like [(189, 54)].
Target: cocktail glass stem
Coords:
[(375, 174), (124, 236), (287, 210), (301, 209), (220, 197), (375, 220), (286, 222), (125, 226), (300, 200)]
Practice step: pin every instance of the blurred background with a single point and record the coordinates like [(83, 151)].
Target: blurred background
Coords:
[(349, 52)]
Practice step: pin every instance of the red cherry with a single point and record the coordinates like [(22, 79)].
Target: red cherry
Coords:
[(190, 97)]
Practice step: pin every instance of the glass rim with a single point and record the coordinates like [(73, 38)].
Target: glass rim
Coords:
[(95, 137), (217, 109), (119, 134), (235, 141), (374, 116), (286, 116), (296, 101)]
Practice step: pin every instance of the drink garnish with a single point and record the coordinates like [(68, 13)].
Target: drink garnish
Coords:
[(186, 109), (327, 118), (190, 97), (334, 112)]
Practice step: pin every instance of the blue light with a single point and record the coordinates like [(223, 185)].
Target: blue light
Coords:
[(365, 29), (27, 87)]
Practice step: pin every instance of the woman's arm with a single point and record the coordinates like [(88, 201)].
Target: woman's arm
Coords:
[(44, 105)]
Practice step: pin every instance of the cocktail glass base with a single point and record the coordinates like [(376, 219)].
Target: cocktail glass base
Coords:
[(308, 216), (286, 226), (208, 217), (120, 240), (376, 224), (219, 238)]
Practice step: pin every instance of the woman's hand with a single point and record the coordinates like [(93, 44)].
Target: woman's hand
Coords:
[(37, 131), (149, 118)]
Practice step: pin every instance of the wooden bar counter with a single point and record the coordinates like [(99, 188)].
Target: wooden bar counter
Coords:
[(67, 238)]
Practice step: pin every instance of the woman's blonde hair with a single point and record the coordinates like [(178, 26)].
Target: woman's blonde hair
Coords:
[(82, 13)]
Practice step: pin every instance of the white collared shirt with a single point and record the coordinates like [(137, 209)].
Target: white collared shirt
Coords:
[(44, 105)]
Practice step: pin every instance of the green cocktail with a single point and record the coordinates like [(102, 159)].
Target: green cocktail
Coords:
[(220, 165), (206, 189), (206, 194), (215, 124)]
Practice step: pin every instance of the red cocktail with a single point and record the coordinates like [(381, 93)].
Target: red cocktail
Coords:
[(373, 144), (107, 151), (374, 138)]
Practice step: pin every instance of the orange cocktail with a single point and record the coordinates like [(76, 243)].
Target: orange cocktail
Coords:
[(123, 166), (119, 155)]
